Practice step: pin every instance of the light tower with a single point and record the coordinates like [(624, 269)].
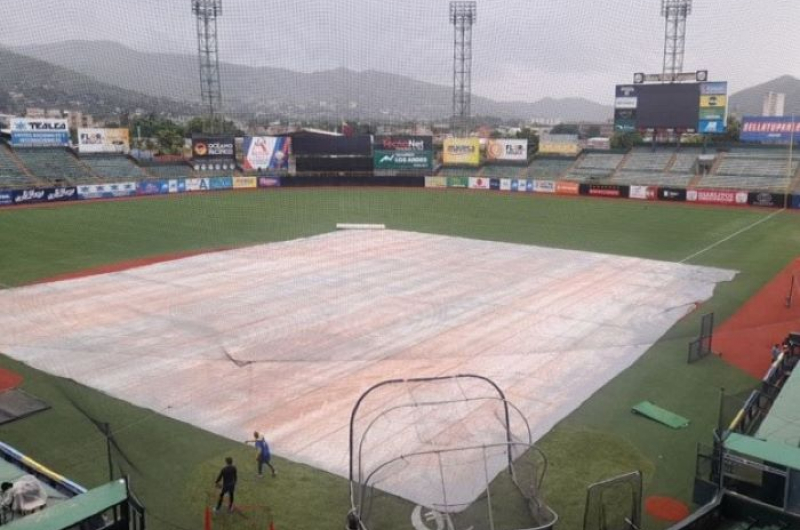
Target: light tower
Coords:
[(463, 14), (675, 13), (206, 13)]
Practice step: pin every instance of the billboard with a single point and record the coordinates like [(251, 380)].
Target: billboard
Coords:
[(764, 129), (39, 132), (462, 152), (266, 152), (700, 107), (715, 196), (205, 147), (332, 145), (399, 160), (403, 143), (107, 191), (104, 141), (507, 150)]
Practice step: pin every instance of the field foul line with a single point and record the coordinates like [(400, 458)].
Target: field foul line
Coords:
[(723, 240)]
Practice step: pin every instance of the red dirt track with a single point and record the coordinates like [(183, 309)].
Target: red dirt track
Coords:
[(745, 339), (9, 380), (126, 265)]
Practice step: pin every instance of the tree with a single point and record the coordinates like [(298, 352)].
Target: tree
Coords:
[(593, 131), (565, 128), (734, 130), (625, 140), (529, 134)]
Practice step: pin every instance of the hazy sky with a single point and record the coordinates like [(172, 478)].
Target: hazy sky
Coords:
[(523, 49)]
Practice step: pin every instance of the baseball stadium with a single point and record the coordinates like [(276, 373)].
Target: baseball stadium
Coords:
[(450, 320)]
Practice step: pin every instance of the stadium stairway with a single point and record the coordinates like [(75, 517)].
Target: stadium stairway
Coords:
[(622, 164), (86, 167), (671, 162)]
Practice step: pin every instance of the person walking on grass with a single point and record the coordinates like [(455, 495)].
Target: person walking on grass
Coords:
[(263, 455), (227, 481)]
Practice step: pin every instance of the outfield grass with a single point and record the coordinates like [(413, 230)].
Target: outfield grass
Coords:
[(172, 464)]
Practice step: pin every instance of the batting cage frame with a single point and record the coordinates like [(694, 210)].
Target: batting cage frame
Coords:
[(615, 503), (466, 450), (700, 347)]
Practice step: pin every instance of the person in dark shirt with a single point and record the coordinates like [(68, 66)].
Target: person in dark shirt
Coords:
[(227, 480)]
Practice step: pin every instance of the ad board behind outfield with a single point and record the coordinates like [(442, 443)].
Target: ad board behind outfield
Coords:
[(769, 129), (461, 152), (507, 150), (266, 152), (205, 147), (104, 140), (39, 132)]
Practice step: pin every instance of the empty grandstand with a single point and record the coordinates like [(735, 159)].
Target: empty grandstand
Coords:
[(549, 168), (595, 166), (113, 167), (55, 165), (756, 169), (11, 175), (643, 166), (170, 171), (504, 172)]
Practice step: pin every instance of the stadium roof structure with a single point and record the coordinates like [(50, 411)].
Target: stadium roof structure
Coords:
[(767, 451), (782, 423)]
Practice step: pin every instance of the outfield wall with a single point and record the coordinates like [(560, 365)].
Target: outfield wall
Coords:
[(725, 197)]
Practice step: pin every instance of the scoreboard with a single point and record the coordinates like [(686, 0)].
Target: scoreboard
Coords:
[(698, 107)]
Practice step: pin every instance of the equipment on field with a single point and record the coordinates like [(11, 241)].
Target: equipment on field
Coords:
[(663, 416)]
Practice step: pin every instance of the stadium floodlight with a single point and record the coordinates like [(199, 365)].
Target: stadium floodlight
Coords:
[(206, 13), (463, 15), (675, 13)]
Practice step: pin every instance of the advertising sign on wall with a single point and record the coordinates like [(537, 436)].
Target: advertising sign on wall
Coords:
[(36, 132), (400, 160), (103, 141), (457, 182), (779, 130), (403, 143), (107, 191), (507, 150), (767, 200), (712, 196), (435, 182), (544, 186), (643, 193), (479, 183), (212, 147), (462, 152), (244, 183), (269, 182), (567, 188), (38, 195), (266, 152)]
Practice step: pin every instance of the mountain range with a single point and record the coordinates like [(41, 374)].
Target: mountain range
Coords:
[(277, 92), (101, 76)]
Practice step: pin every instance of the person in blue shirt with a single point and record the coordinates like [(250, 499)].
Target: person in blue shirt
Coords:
[(263, 455)]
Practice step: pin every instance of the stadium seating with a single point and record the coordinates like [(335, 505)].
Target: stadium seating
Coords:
[(458, 172), (549, 168), (171, 171), (504, 172), (594, 167), (684, 162), (112, 167), (11, 176), (643, 166), (765, 170), (56, 165)]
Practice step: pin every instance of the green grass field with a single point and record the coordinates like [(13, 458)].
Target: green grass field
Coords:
[(172, 465)]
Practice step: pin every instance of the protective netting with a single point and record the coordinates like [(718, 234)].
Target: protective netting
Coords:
[(614, 504)]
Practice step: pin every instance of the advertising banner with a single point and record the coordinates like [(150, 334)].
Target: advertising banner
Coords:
[(462, 152), (671, 194), (35, 132), (195, 184), (796, 202), (507, 150), (40, 195), (544, 186), (221, 183), (269, 182), (712, 196), (604, 190), (522, 185), (107, 191), (479, 183), (104, 141), (505, 184), (713, 111), (494, 184), (206, 147), (175, 186), (567, 188), (559, 149), (779, 130), (152, 187), (435, 182), (643, 193), (767, 200), (457, 182), (400, 160), (240, 183), (266, 152), (403, 143), (6, 197)]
